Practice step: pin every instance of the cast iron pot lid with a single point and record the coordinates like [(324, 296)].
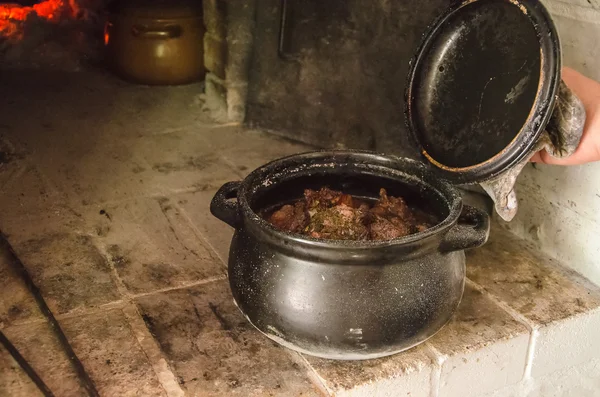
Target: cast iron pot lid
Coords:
[(482, 87)]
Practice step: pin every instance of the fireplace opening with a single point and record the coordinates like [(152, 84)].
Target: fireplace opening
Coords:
[(57, 34), (106, 187)]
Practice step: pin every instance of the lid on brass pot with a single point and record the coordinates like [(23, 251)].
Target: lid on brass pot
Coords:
[(482, 87), (158, 9)]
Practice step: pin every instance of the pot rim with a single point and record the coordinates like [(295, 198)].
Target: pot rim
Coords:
[(137, 18), (428, 179)]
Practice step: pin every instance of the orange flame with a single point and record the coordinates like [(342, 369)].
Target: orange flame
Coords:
[(51, 10)]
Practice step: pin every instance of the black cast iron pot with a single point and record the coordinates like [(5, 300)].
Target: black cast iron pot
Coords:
[(346, 299)]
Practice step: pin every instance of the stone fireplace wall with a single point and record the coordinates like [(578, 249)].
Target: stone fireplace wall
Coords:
[(560, 206), (340, 82), (228, 43), (341, 78)]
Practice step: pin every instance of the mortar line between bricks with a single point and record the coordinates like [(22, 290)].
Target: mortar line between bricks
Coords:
[(27, 163), (151, 196), (199, 234), (114, 305), (146, 341), (514, 313), (435, 381), (279, 135), (185, 286), (313, 375), (223, 157), (21, 168), (532, 328), (533, 337), (230, 164), (194, 189), (228, 124), (438, 359), (121, 288), (173, 130), (129, 296), (33, 321)]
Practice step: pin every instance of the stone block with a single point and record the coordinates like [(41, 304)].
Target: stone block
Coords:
[(216, 98), (236, 102), (215, 55), (16, 302), (110, 353), (214, 351), (561, 306), (405, 374), (90, 149), (483, 348), (14, 381), (33, 206), (249, 149), (153, 247), (218, 234), (240, 40), (39, 346), (10, 163), (566, 343), (581, 381), (103, 342), (215, 17), (69, 270), (178, 161)]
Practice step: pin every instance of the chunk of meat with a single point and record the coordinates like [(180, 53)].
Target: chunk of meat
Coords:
[(385, 229), (423, 220), (341, 222), (290, 218), (392, 207), (391, 218), (326, 198)]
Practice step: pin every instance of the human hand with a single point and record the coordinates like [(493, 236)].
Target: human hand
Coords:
[(588, 151)]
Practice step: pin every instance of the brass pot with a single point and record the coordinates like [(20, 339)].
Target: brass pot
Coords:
[(156, 42)]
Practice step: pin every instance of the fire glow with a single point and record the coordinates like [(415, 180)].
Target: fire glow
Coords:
[(13, 15)]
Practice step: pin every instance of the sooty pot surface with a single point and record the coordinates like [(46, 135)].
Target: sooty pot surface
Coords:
[(347, 299)]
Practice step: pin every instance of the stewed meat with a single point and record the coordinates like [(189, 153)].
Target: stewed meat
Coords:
[(340, 222), (291, 218), (330, 214), (390, 218)]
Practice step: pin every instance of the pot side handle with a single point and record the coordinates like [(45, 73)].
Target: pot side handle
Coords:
[(159, 32), (222, 208), (471, 231)]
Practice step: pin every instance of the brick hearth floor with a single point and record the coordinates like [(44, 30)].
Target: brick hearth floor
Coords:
[(104, 192)]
